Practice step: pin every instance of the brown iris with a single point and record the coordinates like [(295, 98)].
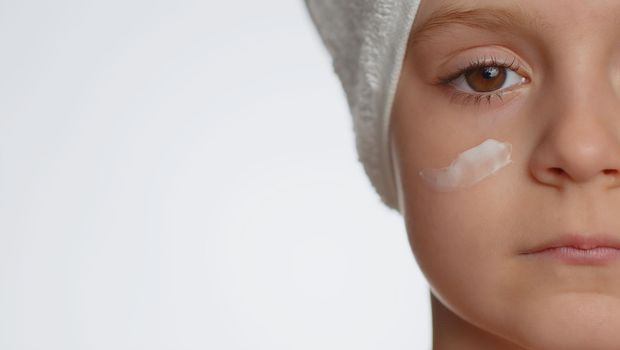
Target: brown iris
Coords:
[(486, 79)]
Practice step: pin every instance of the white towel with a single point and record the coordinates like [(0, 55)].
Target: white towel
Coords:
[(367, 40)]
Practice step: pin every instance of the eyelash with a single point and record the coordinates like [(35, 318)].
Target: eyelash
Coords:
[(480, 62)]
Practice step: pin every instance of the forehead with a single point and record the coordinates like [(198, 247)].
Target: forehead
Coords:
[(550, 17)]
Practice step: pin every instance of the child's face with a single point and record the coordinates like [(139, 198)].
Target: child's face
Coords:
[(558, 105)]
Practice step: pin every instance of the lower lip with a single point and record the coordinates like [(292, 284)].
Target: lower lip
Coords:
[(570, 255)]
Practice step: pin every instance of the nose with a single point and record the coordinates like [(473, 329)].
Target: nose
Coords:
[(580, 145)]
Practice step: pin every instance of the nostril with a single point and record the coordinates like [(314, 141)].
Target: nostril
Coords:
[(610, 172), (557, 171)]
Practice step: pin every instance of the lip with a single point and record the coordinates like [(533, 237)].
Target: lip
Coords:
[(594, 249)]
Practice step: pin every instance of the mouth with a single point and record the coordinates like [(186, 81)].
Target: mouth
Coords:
[(576, 249)]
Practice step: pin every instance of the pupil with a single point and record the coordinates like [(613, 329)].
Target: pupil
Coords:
[(490, 72)]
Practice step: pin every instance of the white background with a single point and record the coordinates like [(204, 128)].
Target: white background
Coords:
[(182, 175)]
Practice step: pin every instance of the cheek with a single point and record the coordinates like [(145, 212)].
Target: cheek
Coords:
[(456, 233), (464, 242), (460, 230), (456, 208)]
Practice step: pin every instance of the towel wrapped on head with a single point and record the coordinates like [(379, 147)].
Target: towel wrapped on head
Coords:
[(367, 40)]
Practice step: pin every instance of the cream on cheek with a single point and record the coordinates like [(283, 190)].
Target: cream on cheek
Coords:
[(470, 166)]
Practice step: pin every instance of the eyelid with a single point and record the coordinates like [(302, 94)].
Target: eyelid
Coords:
[(483, 61)]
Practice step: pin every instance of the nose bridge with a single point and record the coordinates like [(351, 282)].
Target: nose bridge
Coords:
[(581, 141)]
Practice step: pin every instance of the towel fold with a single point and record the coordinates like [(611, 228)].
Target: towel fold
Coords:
[(367, 40)]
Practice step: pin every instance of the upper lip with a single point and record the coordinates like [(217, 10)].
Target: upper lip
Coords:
[(578, 241)]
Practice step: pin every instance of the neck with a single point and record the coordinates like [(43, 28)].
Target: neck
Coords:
[(450, 332)]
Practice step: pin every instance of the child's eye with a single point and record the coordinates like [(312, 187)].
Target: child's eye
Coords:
[(487, 79), (483, 79)]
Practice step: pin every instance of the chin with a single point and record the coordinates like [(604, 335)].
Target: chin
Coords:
[(571, 321)]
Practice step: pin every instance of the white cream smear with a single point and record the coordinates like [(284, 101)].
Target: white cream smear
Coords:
[(470, 167)]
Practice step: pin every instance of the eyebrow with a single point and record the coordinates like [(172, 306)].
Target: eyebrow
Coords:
[(487, 18)]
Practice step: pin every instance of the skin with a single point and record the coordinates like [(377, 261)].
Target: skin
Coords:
[(564, 125)]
